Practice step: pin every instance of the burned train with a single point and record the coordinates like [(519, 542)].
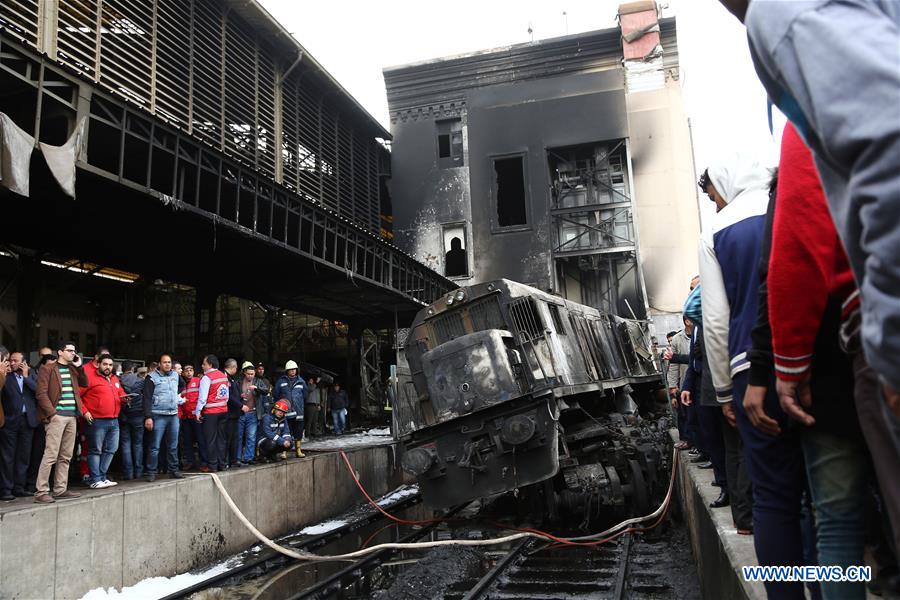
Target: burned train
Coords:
[(511, 388)]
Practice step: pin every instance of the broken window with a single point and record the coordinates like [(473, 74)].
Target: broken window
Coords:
[(456, 261), (450, 143), (509, 191), (557, 320)]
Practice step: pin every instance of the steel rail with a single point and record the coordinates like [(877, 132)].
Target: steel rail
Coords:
[(310, 543)]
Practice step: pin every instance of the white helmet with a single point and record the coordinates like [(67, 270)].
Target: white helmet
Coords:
[(290, 365)]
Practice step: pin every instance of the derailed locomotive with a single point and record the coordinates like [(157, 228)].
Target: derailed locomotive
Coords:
[(508, 387)]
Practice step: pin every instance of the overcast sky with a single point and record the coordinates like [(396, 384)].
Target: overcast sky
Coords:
[(355, 40)]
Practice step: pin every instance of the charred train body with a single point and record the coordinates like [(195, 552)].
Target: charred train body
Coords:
[(509, 386)]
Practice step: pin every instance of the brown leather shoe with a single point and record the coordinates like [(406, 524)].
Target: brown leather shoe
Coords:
[(43, 499), (67, 494)]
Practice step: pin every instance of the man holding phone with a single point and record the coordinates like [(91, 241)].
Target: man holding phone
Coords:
[(59, 404), (15, 436)]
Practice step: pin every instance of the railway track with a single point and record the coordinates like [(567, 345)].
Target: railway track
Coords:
[(529, 569), (269, 560), (534, 570)]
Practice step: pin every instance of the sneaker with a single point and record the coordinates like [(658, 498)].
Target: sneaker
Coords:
[(98, 485), (43, 499), (204, 469), (151, 477), (693, 452), (110, 483), (176, 475)]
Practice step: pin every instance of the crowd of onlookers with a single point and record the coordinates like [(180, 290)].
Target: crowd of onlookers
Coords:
[(786, 375), (165, 417)]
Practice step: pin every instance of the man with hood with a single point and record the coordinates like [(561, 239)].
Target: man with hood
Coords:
[(729, 256)]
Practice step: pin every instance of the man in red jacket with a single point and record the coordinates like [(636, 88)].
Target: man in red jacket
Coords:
[(191, 429), (101, 400), (812, 387)]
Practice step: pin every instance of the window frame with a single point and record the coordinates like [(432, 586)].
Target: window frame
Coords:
[(465, 240), (449, 127), (526, 186)]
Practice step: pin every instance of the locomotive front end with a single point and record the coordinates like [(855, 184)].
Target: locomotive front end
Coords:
[(476, 428)]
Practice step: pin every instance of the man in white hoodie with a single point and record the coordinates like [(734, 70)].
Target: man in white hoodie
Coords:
[(729, 257)]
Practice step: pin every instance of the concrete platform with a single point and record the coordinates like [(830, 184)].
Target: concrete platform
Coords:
[(118, 536), (718, 549)]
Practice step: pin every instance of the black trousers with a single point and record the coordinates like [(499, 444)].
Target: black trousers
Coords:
[(38, 441), (214, 432), (231, 438), (709, 419), (15, 453), (268, 448), (739, 489), (296, 426)]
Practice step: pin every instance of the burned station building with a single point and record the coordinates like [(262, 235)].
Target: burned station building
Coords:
[(563, 163)]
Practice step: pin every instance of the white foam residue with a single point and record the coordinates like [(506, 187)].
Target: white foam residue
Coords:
[(372, 437), (158, 587), (324, 527), (398, 495)]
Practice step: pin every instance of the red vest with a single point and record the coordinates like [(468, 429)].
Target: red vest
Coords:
[(190, 393), (217, 399)]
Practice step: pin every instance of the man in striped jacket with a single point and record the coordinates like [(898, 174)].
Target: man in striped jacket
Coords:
[(59, 403)]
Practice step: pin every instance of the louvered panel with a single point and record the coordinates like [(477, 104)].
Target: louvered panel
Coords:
[(265, 112), (360, 173), (310, 165), (346, 205), (126, 48), (374, 187), (328, 153), (21, 18), (207, 72), (77, 35), (173, 67), (289, 134), (240, 92)]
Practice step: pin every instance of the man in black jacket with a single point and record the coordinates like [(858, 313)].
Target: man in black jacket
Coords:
[(15, 436), (234, 410), (339, 402)]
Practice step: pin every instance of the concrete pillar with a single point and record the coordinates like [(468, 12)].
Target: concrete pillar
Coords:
[(25, 302), (272, 316), (205, 320)]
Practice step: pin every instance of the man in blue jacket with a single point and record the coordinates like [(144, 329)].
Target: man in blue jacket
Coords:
[(292, 388), (162, 395), (15, 435), (276, 434), (729, 258)]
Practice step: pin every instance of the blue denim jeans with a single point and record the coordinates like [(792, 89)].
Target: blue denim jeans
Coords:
[(103, 441), (164, 425), (838, 470), (132, 438), (339, 417), (246, 437)]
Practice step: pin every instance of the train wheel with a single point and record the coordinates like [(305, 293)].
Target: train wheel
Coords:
[(640, 495)]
